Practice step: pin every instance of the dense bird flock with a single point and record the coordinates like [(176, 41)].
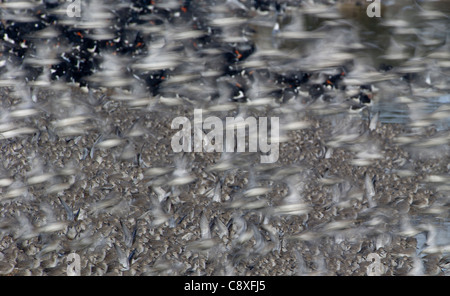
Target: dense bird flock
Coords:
[(362, 183)]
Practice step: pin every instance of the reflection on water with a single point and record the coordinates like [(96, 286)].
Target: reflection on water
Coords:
[(397, 112)]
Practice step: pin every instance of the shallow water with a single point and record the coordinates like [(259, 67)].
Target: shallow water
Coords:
[(397, 112)]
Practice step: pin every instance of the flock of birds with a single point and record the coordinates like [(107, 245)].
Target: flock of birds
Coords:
[(87, 167)]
